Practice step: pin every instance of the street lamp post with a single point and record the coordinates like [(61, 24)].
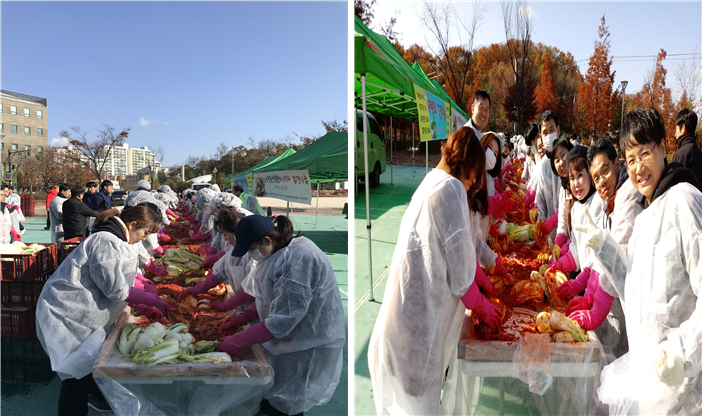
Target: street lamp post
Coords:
[(9, 159), (624, 84)]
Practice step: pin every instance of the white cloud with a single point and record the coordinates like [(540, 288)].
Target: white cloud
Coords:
[(528, 12), (144, 122), (59, 142)]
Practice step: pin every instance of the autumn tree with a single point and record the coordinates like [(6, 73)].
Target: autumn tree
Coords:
[(364, 10), (655, 94), (545, 96), (595, 93), (95, 153)]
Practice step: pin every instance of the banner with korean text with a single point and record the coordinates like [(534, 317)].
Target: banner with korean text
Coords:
[(288, 185), (433, 113)]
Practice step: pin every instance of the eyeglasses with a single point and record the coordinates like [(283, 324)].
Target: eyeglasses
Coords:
[(644, 158), (604, 172)]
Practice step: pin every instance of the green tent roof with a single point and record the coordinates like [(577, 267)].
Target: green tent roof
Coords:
[(326, 159), (390, 79), (266, 161)]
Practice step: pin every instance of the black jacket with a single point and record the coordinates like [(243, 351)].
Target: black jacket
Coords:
[(75, 213), (690, 156)]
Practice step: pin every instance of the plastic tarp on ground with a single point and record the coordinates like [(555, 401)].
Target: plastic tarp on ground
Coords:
[(266, 161), (326, 159)]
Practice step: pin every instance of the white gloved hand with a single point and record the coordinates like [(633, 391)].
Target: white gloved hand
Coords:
[(490, 159), (672, 370), (595, 235)]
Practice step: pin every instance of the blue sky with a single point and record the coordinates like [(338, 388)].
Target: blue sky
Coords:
[(636, 28), (183, 75)]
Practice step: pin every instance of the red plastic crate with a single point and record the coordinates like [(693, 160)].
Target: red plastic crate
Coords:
[(27, 369), (27, 205), (25, 267), (28, 347), (68, 246), (17, 321)]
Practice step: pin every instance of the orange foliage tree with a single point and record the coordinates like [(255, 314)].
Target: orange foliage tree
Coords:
[(545, 96), (655, 94), (595, 99)]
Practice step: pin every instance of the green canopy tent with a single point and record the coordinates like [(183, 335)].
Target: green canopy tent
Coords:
[(265, 162), (385, 83), (326, 160)]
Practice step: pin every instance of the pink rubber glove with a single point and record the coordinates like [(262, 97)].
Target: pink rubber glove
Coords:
[(560, 240), (499, 268), (593, 318), (495, 206), (576, 304), (239, 298), (211, 260), (145, 280), (482, 280), (498, 188), (486, 311), (160, 250), (197, 237), (202, 251), (172, 225), (231, 325), (572, 288), (163, 234), (255, 334), (566, 264), (551, 223), (565, 248), (507, 168), (211, 250), (150, 312), (592, 285), (170, 212), (138, 296), (139, 284), (155, 269), (207, 284), (529, 197), (15, 235)]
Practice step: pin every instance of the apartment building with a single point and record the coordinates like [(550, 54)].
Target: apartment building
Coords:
[(23, 122)]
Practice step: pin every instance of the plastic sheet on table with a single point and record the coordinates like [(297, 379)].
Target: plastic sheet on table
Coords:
[(532, 362), (481, 379)]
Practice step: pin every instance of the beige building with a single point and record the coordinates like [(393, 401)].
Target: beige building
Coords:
[(140, 158), (23, 122)]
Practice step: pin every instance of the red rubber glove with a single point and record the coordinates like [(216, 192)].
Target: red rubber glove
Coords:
[(593, 318), (172, 225), (565, 248), (15, 235), (197, 237), (551, 223), (486, 311), (207, 284), (592, 286), (506, 169), (498, 188), (239, 298), (495, 206), (150, 312), (255, 334), (170, 212), (140, 284), (138, 296), (529, 197), (211, 260), (572, 288), (560, 240), (576, 304), (499, 268), (145, 280), (566, 264), (160, 250), (231, 325), (163, 234), (155, 269), (482, 280), (211, 250)]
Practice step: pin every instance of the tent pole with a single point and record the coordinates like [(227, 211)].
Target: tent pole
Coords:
[(317, 213), (390, 150), (413, 171), (287, 208), (365, 156)]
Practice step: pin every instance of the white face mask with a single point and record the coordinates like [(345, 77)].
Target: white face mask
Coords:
[(490, 159), (256, 254), (549, 140)]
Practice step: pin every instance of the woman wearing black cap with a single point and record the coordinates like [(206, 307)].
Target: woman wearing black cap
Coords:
[(297, 301)]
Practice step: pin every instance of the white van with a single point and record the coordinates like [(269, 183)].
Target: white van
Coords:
[(376, 150), (198, 186)]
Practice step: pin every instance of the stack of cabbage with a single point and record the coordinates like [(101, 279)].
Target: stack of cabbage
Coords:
[(19, 247), (179, 261), (160, 345)]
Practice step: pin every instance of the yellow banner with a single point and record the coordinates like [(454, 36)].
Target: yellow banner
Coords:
[(249, 181), (449, 128), (422, 114)]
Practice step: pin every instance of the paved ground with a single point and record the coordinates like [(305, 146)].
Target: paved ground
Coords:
[(329, 232), (387, 206)]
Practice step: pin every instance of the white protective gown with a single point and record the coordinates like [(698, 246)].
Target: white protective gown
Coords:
[(662, 277), (582, 253), (233, 270), (298, 298), (547, 192), (17, 216), (563, 196), (82, 300), (419, 323), (5, 236), (56, 218)]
